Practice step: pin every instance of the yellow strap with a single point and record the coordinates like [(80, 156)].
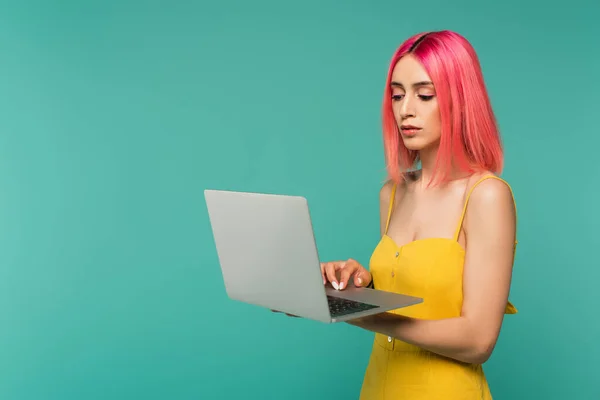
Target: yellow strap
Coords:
[(390, 208), (462, 216)]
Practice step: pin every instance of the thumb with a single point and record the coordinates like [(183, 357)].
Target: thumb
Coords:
[(362, 278)]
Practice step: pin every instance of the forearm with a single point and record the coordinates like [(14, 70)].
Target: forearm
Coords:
[(455, 338)]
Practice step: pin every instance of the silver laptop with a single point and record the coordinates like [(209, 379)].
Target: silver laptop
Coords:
[(268, 256)]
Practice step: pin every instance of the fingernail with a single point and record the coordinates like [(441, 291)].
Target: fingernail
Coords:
[(335, 285), (341, 285), (359, 281)]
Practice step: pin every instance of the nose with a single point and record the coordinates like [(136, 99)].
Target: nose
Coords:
[(407, 107)]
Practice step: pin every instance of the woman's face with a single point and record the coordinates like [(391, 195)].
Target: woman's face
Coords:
[(415, 105)]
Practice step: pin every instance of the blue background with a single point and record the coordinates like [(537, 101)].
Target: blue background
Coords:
[(116, 115)]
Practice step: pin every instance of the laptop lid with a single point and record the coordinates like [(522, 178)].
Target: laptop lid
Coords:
[(267, 251)]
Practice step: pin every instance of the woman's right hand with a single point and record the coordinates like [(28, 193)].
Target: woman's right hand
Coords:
[(339, 274)]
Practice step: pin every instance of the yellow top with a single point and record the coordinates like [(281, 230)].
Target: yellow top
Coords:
[(430, 268)]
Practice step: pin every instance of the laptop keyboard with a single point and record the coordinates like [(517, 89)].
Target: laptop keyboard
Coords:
[(339, 307)]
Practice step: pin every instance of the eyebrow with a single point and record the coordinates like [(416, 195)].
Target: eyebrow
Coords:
[(415, 85)]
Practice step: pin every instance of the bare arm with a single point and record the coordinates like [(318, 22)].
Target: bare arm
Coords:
[(490, 227)]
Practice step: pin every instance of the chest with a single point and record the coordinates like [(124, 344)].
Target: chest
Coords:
[(434, 262), (418, 216), (430, 268)]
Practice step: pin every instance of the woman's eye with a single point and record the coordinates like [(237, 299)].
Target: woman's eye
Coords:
[(397, 97), (426, 97)]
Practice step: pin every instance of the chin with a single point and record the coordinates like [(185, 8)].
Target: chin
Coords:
[(419, 143), (415, 143)]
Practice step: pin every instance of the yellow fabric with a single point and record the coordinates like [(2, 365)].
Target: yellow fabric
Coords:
[(430, 268)]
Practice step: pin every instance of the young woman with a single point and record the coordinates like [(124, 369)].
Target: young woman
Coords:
[(448, 228)]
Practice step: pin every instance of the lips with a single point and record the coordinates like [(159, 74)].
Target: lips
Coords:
[(409, 130)]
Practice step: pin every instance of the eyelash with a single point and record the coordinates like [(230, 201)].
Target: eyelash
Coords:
[(422, 96)]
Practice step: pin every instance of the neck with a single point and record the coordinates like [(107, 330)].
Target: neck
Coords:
[(427, 158)]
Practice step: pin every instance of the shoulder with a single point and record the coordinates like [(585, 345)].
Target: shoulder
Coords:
[(388, 192), (389, 189), (491, 202), (492, 192), (385, 193)]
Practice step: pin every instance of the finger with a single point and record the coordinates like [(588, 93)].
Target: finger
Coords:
[(346, 272), (362, 277), (323, 273), (330, 269)]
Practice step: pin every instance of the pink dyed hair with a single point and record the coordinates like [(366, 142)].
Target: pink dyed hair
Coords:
[(470, 139)]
